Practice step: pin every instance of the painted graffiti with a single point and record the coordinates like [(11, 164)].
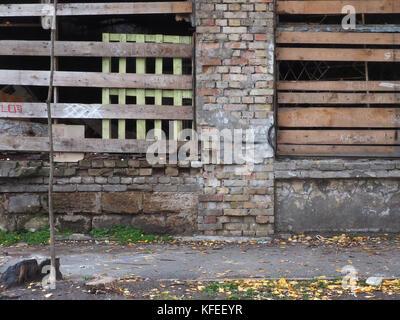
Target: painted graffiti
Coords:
[(11, 108), (83, 111)]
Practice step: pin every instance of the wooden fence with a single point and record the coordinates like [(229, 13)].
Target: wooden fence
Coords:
[(322, 113), (177, 86), (158, 88)]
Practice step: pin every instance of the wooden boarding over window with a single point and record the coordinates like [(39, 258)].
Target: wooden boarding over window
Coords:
[(96, 79), (140, 96), (95, 49), (335, 6), (338, 90), (85, 9), (41, 144), (182, 88)]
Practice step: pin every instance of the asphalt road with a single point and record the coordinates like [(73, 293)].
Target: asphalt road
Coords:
[(214, 261)]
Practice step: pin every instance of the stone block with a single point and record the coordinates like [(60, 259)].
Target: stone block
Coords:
[(26, 203), (89, 188), (36, 223), (235, 212), (115, 188), (107, 221), (170, 202), (122, 202), (145, 171), (172, 172), (75, 223), (82, 202)]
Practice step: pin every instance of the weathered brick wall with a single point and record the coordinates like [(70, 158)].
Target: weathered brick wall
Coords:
[(234, 78), (100, 193)]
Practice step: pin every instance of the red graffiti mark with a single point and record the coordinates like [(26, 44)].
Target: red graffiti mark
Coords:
[(11, 108)]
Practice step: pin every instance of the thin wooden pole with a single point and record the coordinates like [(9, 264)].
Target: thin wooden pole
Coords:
[(51, 153)]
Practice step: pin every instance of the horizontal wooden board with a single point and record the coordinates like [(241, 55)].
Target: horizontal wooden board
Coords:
[(96, 79), (85, 9), (360, 28), (335, 54), (339, 85), (339, 151), (95, 111), (41, 144), (337, 38), (338, 98), (339, 117), (335, 7), (345, 137), (95, 49)]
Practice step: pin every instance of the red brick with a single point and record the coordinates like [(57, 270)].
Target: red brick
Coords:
[(260, 37), (208, 69), (209, 22), (235, 45), (207, 92), (235, 61), (209, 45), (211, 62)]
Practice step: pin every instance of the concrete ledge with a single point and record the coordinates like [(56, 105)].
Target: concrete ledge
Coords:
[(199, 238), (336, 168)]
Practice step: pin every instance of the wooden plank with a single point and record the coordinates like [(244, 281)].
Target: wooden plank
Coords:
[(339, 117), (95, 111), (335, 54), (64, 131), (338, 151), (335, 7), (158, 93), (368, 28), (178, 95), (329, 137), (95, 49), (106, 68), (86, 9), (96, 79), (140, 93), (187, 94), (186, 124), (338, 38), (339, 85), (122, 93), (337, 98), (41, 144)]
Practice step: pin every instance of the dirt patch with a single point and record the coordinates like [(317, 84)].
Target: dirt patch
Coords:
[(147, 289)]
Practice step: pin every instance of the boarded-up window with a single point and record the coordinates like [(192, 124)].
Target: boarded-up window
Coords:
[(338, 89), (113, 87)]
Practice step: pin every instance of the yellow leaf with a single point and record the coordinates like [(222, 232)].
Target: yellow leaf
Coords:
[(282, 283)]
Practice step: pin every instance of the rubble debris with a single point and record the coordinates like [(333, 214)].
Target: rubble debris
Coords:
[(26, 271)]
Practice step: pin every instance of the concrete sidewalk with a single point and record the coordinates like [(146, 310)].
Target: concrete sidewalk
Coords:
[(215, 260)]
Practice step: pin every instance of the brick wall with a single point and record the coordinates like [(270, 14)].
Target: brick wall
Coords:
[(234, 76)]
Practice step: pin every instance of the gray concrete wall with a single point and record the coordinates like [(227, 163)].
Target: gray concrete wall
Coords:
[(337, 196)]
